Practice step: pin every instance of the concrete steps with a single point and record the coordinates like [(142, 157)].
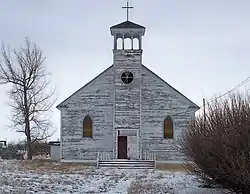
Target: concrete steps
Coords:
[(138, 164)]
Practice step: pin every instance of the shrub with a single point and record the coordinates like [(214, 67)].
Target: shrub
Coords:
[(219, 144), (17, 150), (10, 153)]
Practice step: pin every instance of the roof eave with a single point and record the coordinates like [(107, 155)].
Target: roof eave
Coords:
[(126, 22), (61, 105), (195, 106)]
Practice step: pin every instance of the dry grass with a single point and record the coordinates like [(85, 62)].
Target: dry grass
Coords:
[(173, 167), (47, 165), (42, 165)]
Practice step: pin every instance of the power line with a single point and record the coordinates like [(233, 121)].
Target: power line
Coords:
[(237, 86), (228, 92)]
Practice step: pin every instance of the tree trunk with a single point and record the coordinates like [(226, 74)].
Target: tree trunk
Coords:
[(27, 126), (29, 148)]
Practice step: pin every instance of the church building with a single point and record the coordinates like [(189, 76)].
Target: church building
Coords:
[(127, 112)]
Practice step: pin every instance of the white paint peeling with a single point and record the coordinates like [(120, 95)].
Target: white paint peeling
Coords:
[(140, 106)]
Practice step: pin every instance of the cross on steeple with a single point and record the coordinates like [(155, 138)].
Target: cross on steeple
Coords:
[(127, 7)]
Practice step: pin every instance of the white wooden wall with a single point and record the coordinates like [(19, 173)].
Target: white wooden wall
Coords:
[(127, 96), (142, 105), (95, 100), (160, 100)]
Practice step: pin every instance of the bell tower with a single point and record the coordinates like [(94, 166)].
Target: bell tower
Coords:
[(127, 53), (127, 31)]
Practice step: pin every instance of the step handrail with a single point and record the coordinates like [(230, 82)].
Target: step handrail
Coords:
[(149, 156), (97, 159), (103, 156)]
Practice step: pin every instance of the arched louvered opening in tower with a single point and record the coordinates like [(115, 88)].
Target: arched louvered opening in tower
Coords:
[(135, 43), (119, 44)]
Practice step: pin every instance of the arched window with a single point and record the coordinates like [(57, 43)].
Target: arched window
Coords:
[(87, 127), (127, 43), (168, 128), (136, 43), (119, 43)]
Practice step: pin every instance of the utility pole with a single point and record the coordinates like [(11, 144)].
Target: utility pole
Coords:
[(204, 109)]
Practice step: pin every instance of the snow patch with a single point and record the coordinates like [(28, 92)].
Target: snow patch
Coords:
[(16, 179)]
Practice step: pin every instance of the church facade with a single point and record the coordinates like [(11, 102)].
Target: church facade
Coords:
[(126, 111)]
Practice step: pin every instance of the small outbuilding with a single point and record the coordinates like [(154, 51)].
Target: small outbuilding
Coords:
[(55, 150)]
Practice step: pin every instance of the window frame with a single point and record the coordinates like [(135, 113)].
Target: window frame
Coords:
[(83, 121), (127, 71), (173, 128)]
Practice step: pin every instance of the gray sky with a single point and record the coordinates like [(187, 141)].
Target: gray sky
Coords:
[(202, 48)]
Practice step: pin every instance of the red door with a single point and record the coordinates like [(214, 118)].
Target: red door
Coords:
[(122, 147)]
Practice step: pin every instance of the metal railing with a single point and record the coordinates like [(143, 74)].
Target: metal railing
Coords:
[(103, 156), (107, 156), (149, 156)]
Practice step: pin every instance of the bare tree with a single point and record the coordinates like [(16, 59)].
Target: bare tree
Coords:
[(219, 146), (30, 96)]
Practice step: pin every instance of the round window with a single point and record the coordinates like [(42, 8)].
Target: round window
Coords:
[(127, 77)]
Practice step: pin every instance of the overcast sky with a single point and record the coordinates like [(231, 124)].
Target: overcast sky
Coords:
[(202, 48)]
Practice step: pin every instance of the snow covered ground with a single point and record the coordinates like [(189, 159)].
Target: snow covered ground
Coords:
[(47, 177)]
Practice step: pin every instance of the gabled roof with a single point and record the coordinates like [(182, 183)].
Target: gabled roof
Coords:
[(193, 104), (127, 24), (61, 104)]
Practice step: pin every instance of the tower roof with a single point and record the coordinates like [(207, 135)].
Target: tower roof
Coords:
[(126, 28), (127, 24)]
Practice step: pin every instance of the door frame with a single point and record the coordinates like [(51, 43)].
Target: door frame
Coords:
[(125, 137)]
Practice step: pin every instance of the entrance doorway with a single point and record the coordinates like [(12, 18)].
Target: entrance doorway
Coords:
[(122, 147)]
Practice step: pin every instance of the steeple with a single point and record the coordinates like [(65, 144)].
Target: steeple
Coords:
[(127, 30)]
